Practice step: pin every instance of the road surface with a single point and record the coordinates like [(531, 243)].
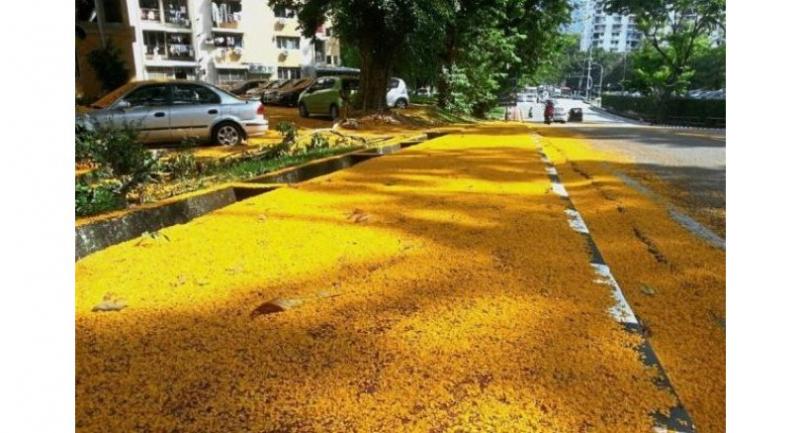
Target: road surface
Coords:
[(685, 166), (447, 287)]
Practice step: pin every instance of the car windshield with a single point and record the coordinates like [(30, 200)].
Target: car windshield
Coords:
[(112, 96)]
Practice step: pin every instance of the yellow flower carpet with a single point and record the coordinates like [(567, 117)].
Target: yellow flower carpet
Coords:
[(439, 289)]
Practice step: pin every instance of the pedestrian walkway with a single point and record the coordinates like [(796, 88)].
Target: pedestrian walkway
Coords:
[(441, 288)]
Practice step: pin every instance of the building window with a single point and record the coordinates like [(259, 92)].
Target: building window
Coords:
[(230, 75), (328, 31), (288, 73), (288, 43), (229, 40), (282, 12), (176, 12), (112, 11), (150, 10), (165, 73), (319, 51), (173, 46)]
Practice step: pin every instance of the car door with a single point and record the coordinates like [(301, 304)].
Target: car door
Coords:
[(194, 109), (146, 109), (325, 95), (312, 97)]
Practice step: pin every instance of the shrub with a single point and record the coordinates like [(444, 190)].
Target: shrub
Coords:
[(180, 165), (85, 141), (675, 110), (288, 131), (318, 141), (118, 153), (94, 199)]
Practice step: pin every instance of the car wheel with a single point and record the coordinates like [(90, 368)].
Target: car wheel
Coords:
[(303, 110), (334, 112), (401, 103), (227, 134)]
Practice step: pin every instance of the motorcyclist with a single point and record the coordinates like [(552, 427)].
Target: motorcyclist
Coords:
[(549, 111)]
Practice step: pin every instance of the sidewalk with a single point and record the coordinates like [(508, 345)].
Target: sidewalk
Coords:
[(436, 289)]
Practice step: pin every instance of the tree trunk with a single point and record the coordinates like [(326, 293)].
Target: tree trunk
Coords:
[(376, 63), (443, 89)]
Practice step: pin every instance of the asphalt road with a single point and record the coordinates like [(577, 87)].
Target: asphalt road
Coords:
[(685, 166)]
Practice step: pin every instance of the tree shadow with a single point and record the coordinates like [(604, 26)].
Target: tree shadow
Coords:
[(463, 299)]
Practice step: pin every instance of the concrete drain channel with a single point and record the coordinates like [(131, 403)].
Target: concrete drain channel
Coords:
[(102, 233)]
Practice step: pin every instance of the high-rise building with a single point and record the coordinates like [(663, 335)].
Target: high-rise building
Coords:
[(217, 41), (599, 30)]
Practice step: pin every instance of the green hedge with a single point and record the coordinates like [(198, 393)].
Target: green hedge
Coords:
[(682, 111)]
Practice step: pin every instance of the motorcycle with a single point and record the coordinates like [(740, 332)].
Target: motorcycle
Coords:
[(549, 112)]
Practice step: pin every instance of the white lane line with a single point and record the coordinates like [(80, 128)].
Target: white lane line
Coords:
[(621, 310), (660, 429), (559, 189), (576, 222)]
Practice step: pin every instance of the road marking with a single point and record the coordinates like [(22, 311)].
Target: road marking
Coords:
[(576, 222), (678, 420)]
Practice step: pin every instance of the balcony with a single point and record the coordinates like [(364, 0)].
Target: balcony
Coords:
[(164, 14), (226, 14), (165, 48)]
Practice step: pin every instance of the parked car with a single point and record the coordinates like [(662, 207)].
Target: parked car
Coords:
[(326, 96), (575, 115), (287, 94), (269, 96), (176, 110), (241, 88), (560, 114), (256, 93), (397, 94)]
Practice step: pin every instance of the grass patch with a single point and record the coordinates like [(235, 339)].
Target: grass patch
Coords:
[(256, 167)]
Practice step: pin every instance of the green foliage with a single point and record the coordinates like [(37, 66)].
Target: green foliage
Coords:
[(485, 48), (118, 153), (180, 165), (378, 29), (109, 67), (85, 141), (673, 32), (652, 76), (288, 132), (318, 141), (707, 112), (94, 199), (709, 67)]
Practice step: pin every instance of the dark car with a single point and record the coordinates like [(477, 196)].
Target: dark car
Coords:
[(288, 93), (239, 89), (575, 115)]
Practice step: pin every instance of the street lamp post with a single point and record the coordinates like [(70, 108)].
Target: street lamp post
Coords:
[(589, 78)]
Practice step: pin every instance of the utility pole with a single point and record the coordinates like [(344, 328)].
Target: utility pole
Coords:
[(624, 67), (589, 71)]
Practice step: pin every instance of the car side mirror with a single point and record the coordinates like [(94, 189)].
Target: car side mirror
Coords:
[(123, 105)]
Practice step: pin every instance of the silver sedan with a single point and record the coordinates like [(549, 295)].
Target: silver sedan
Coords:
[(178, 110)]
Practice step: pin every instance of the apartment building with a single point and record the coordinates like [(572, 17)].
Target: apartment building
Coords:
[(609, 32), (217, 41)]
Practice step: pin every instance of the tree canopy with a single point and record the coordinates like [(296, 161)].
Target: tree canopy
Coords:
[(673, 32), (472, 49)]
